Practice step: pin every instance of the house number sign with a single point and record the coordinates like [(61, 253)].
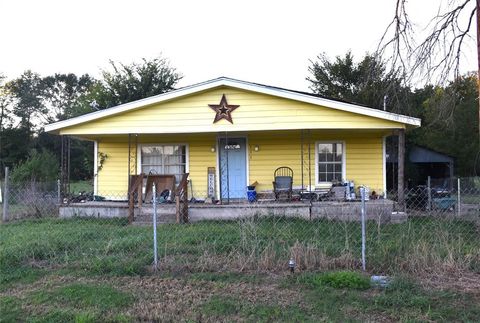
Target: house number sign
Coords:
[(232, 147)]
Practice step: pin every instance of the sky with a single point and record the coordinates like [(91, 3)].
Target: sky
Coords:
[(270, 42)]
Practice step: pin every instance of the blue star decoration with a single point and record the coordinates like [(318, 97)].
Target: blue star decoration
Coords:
[(223, 110)]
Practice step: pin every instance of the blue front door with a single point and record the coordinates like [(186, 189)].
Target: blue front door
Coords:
[(233, 168)]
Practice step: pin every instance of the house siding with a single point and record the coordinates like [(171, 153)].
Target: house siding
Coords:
[(363, 153), (191, 114)]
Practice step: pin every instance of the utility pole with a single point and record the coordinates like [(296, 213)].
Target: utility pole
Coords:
[(478, 67)]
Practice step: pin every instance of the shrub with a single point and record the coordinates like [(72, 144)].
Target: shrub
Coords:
[(338, 279), (40, 166)]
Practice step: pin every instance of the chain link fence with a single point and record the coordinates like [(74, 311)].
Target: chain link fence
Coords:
[(436, 228)]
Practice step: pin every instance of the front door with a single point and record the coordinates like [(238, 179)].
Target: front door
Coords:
[(233, 168)]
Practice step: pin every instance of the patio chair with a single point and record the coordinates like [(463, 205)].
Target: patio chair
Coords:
[(283, 181)]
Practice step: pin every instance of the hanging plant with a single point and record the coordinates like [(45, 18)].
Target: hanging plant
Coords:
[(102, 157)]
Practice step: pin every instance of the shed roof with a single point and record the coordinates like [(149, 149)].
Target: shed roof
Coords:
[(420, 154)]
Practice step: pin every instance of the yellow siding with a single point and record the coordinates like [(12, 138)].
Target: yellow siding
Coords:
[(113, 179), (257, 111), (364, 157)]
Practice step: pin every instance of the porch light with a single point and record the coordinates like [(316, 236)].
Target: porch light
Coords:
[(256, 148), (212, 149), (291, 265)]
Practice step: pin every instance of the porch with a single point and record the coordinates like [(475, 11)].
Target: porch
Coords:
[(380, 210)]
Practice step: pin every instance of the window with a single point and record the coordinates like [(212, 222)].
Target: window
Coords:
[(330, 162), (164, 159)]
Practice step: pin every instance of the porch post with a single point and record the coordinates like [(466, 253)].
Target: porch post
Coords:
[(401, 167), (65, 165)]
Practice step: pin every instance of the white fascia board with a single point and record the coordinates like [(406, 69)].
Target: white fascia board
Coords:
[(349, 107), (240, 85)]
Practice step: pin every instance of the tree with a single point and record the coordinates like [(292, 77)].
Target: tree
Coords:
[(40, 166), (5, 104), (127, 83), (367, 82), (452, 135), (61, 93), (437, 57), (27, 91)]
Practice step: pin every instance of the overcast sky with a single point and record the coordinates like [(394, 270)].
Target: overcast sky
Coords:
[(267, 42)]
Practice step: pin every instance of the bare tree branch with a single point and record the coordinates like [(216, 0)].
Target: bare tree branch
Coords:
[(437, 58)]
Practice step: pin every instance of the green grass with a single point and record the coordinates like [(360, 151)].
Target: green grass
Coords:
[(68, 303), (403, 301), (111, 247), (221, 255), (102, 297), (339, 279), (81, 186)]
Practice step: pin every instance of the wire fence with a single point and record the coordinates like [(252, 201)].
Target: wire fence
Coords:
[(436, 228)]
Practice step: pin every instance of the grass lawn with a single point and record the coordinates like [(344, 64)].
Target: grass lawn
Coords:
[(77, 187), (54, 270)]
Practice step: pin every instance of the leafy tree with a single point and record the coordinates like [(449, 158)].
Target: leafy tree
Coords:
[(28, 91), (366, 82), (5, 103), (127, 83), (454, 133), (61, 93), (40, 166)]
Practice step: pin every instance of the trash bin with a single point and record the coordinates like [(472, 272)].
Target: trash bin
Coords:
[(251, 194)]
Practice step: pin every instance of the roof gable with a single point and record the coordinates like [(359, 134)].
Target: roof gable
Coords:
[(214, 87)]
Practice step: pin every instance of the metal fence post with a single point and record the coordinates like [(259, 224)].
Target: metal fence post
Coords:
[(155, 260), (5, 215), (459, 205), (429, 193), (362, 193), (59, 192)]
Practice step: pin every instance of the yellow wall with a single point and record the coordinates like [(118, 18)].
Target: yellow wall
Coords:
[(191, 114), (113, 179), (364, 157)]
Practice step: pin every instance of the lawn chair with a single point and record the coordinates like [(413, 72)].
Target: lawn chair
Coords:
[(283, 181)]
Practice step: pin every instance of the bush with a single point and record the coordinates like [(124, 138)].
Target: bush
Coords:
[(338, 279), (39, 167)]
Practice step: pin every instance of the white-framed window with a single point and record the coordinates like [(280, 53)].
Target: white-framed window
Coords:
[(330, 161), (164, 159)]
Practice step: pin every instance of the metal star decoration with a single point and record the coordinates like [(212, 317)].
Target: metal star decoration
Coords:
[(223, 110)]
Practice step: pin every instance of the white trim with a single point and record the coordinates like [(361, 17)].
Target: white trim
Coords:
[(139, 153), (247, 160), (217, 168), (384, 147), (344, 160), (95, 167), (223, 81)]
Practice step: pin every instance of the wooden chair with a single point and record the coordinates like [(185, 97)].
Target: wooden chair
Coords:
[(283, 181)]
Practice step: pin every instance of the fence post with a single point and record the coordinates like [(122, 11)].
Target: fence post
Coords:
[(459, 205), (155, 260), (5, 215), (59, 192), (362, 194), (429, 193)]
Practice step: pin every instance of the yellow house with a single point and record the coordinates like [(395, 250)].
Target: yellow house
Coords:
[(228, 134)]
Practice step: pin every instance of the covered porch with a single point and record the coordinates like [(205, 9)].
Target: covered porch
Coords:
[(221, 167)]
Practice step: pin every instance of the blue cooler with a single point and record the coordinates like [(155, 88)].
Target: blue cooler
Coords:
[(251, 194)]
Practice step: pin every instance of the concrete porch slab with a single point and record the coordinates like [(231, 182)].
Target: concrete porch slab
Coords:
[(378, 210)]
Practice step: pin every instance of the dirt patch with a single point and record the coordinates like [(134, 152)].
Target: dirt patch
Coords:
[(465, 282), (170, 299)]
